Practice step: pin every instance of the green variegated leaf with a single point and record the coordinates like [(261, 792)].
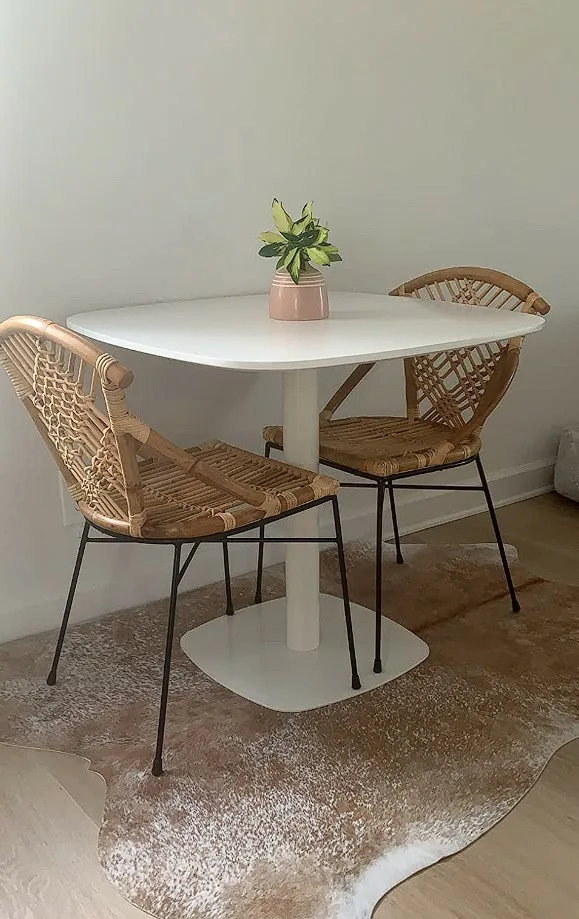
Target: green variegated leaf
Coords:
[(295, 266), (322, 236), (301, 225), (293, 240), (271, 249), (332, 252), (307, 209), (281, 218), (280, 262), (308, 238), (318, 256), (271, 237), (289, 256)]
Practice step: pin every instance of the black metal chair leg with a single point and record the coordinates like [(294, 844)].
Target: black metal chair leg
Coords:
[(158, 761), (399, 558), (229, 610), (257, 598), (187, 562), (346, 596), (51, 678), (498, 536), (379, 518)]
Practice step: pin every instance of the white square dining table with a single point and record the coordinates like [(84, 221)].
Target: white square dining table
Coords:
[(291, 654)]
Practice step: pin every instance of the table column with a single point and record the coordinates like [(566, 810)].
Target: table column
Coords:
[(302, 567)]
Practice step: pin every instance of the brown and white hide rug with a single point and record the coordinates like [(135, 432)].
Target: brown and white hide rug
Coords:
[(314, 815)]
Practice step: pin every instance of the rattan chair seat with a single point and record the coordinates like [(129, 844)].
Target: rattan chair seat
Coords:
[(206, 500), (385, 446)]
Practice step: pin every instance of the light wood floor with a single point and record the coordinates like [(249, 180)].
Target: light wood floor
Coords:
[(525, 868)]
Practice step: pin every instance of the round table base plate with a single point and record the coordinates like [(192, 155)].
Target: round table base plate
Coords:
[(248, 654)]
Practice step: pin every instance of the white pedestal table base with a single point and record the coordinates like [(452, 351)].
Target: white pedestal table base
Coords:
[(249, 655)]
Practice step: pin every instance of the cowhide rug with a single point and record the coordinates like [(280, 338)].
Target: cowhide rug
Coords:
[(315, 815)]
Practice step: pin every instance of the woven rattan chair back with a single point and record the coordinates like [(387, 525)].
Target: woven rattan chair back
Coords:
[(59, 377), (458, 388)]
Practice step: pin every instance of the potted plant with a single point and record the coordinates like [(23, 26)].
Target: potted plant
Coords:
[(298, 289)]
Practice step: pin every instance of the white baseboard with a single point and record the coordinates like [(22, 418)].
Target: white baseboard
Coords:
[(422, 510), (145, 571)]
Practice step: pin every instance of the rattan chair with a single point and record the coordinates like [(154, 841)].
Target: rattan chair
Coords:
[(449, 396), (134, 486)]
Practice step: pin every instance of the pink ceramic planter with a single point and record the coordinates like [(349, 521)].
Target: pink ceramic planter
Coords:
[(306, 300)]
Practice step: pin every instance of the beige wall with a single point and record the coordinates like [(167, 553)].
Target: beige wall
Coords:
[(144, 141)]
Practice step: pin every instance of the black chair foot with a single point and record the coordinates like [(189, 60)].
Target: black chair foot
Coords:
[(399, 559), (516, 606), (157, 768), (377, 668), (229, 610), (51, 678), (345, 595), (257, 598)]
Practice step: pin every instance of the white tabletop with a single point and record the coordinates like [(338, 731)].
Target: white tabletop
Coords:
[(236, 332)]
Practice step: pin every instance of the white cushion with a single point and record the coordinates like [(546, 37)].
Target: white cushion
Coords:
[(567, 465)]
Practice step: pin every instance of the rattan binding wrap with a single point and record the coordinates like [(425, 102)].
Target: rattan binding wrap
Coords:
[(449, 395), (123, 475)]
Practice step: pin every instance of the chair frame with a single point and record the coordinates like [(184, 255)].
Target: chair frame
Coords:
[(57, 375), (179, 570), (493, 392)]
